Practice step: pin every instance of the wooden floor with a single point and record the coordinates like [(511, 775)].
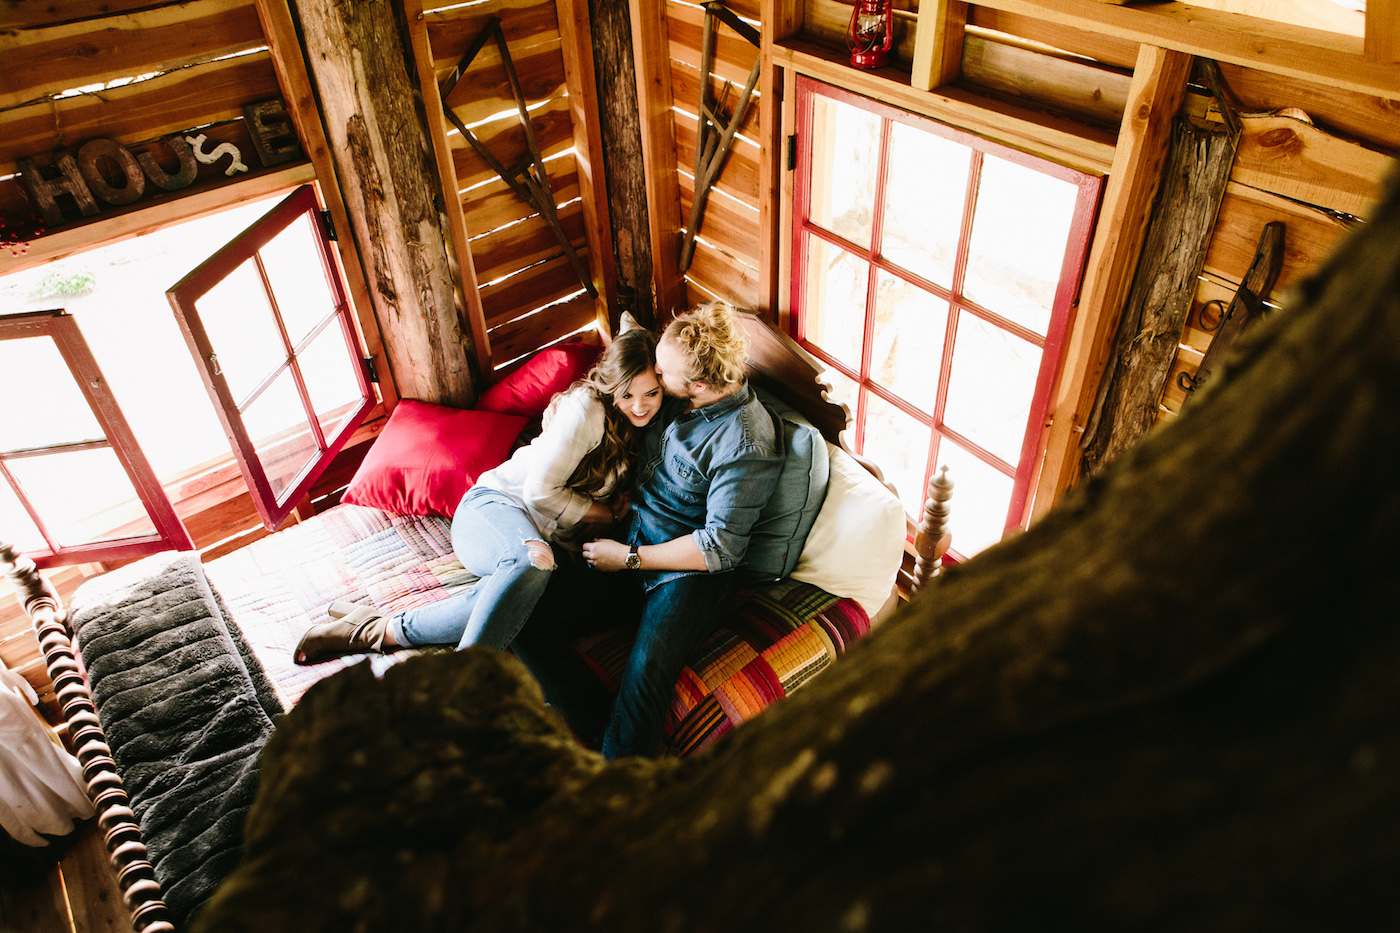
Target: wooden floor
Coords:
[(79, 895)]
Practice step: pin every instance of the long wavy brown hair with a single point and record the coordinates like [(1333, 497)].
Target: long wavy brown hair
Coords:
[(632, 352)]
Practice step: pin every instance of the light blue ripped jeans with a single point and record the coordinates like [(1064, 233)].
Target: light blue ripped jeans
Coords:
[(494, 539)]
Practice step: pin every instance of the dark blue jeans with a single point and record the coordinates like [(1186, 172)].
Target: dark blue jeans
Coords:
[(672, 620)]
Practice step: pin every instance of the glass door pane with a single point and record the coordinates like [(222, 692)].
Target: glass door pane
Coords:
[(1017, 249), (835, 297), (898, 444), (291, 258), (83, 496), (844, 167), (907, 347), (924, 200), (981, 498), (272, 329), (242, 331), (990, 386), (64, 417)]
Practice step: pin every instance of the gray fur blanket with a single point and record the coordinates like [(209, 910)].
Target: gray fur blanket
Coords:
[(187, 710)]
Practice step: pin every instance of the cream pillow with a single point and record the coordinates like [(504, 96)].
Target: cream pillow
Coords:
[(856, 544)]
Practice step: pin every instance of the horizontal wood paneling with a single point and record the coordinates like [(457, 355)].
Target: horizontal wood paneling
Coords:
[(734, 55), (1361, 116), (486, 92), (726, 278), (1292, 158), (494, 205), (1107, 49), (685, 88), (527, 334), (40, 62), (740, 175), (523, 293), (210, 92), (27, 14), (1309, 235), (517, 247), (730, 225), (1094, 94), (525, 25), (505, 140)]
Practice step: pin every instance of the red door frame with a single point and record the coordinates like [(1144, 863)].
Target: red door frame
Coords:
[(1052, 344), (185, 294), (170, 533)]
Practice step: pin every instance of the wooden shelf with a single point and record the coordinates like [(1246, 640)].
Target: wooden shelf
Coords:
[(1052, 137)]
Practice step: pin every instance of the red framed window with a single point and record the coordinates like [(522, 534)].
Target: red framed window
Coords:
[(935, 273), (74, 484), (269, 325)]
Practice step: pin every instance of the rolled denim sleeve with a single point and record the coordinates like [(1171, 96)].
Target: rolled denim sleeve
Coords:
[(739, 489)]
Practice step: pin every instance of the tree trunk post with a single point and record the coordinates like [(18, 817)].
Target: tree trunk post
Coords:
[(359, 61)]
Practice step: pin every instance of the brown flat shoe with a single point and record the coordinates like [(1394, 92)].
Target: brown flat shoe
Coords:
[(360, 631), (342, 608)]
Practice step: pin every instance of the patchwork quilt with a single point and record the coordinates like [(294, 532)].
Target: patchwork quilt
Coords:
[(775, 639)]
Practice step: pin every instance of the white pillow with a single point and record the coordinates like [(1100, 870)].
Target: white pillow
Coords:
[(856, 545)]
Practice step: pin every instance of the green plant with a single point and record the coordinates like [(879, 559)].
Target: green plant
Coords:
[(69, 282)]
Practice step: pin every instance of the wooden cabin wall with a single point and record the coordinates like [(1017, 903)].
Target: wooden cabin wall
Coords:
[(530, 295), (1090, 85), (734, 255)]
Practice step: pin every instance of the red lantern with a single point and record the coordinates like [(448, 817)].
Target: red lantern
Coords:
[(871, 33)]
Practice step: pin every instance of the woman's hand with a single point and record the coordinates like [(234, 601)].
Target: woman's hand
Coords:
[(606, 554)]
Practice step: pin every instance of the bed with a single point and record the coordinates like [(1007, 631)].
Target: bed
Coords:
[(171, 672)]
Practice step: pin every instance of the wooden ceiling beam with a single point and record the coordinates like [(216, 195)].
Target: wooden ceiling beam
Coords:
[(1325, 57)]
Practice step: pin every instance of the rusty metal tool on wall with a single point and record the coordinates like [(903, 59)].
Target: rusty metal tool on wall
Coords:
[(531, 186), (1247, 304), (714, 136)]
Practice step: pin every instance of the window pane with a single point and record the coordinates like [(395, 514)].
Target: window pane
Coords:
[(990, 387), (242, 330), (1019, 233), (294, 266), (15, 525), (835, 300), (331, 381), (84, 496), (845, 158), (981, 496), (281, 435), (910, 325), (898, 444), (50, 409), (924, 198), (117, 295)]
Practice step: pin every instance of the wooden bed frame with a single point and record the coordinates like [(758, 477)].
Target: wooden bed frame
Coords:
[(776, 363)]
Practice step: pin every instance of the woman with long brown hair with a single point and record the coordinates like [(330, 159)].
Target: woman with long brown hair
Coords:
[(574, 476)]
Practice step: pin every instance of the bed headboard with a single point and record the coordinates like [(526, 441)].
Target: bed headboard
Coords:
[(780, 366)]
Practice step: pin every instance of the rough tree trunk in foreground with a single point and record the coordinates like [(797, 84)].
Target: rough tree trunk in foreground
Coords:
[(1171, 705)]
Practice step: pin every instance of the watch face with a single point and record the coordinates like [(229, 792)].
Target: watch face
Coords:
[(634, 561)]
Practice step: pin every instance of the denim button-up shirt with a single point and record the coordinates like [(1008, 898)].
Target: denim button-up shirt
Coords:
[(707, 473)]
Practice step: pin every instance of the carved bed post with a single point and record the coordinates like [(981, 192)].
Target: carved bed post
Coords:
[(135, 875), (933, 538)]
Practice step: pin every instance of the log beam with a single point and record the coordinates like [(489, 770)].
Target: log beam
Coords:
[(1197, 171), (358, 55)]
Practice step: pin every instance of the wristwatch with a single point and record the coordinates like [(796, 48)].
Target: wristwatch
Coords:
[(634, 560)]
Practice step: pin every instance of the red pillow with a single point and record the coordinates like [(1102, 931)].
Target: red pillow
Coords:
[(527, 390), (428, 456)]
